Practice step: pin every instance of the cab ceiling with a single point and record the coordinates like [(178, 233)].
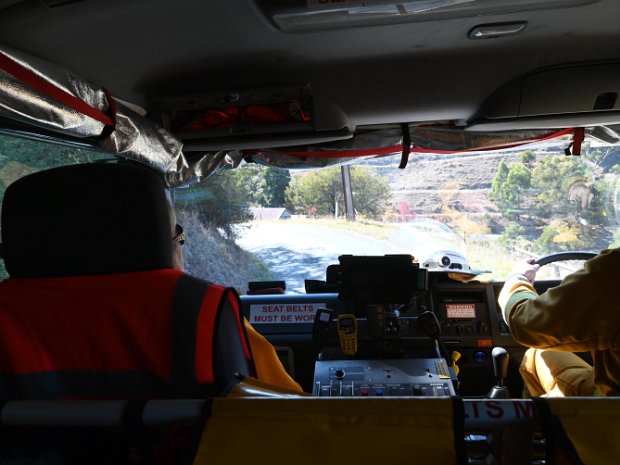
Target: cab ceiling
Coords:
[(416, 71)]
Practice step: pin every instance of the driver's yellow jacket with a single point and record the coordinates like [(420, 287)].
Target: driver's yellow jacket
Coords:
[(582, 314)]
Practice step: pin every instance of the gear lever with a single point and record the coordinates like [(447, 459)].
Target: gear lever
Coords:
[(500, 368)]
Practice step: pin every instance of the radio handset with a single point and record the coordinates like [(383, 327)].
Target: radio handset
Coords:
[(347, 334), (320, 328), (429, 323)]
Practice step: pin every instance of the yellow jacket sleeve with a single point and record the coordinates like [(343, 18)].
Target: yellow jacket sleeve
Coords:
[(579, 315), (268, 366)]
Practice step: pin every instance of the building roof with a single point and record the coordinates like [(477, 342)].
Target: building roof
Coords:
[(263, 213)]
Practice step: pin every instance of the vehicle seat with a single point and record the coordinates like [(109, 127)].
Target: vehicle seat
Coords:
[(93, 307)]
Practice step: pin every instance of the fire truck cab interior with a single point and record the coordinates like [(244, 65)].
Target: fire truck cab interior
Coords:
[(387, 346)]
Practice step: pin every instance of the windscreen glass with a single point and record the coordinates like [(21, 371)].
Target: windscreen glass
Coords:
[(477, 212)]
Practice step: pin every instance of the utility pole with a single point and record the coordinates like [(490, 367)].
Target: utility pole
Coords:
[(348, 193)]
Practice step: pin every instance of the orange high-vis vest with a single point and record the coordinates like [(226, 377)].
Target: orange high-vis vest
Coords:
[(108, 336)]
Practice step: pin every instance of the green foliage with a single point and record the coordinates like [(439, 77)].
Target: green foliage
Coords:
[(273, 187), (558, 236), (509, 185), (616, 242), (569, 194), (545, 243), (315, 191), (527, 158), (553, 178), (513, 235), (498, 181), (518, 180), (321, 192), (371, 192), (223, 199)]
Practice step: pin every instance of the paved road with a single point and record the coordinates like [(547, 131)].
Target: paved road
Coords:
[(295, 252), (423, 237)]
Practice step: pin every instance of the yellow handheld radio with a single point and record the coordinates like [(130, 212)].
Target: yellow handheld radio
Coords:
[(347, 333)]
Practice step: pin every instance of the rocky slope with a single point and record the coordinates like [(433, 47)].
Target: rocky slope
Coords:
[(431, 182)]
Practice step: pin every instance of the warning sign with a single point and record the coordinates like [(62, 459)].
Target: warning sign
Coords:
[(284, 313), (461, 310)]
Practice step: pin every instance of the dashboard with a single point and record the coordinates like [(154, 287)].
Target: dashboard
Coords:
[(469, 323)]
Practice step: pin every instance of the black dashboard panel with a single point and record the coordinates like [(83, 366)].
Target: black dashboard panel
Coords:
[(468, 315)]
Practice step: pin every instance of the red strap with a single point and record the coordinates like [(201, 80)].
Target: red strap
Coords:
[(36, 82), (578, 140), (399, 149)]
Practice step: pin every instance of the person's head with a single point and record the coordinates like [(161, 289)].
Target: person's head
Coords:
[(178, 239)]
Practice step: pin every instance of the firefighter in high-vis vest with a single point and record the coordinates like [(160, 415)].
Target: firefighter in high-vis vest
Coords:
[(268, 366), (579, 315)]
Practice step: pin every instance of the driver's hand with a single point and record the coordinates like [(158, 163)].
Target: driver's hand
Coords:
[(527, 269)]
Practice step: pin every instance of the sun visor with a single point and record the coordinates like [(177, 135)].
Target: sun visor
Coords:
[(254, 118)]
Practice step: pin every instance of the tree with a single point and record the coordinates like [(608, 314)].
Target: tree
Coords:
[(319, 191), (518, 180), (509, 185), (371, 192), (553, 178), (527, 158), (322, 190), (498, 181), (224, 198), (558, 236), (273, 187), (513, 235)]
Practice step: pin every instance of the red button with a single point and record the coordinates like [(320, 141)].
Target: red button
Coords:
[(485, 342)]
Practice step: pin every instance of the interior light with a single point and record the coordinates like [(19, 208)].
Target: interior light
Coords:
[(494, 31)]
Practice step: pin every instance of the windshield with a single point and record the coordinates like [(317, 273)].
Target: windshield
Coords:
[(483, 211)]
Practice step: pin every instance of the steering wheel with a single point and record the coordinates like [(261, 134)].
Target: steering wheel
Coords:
[(561, 256)]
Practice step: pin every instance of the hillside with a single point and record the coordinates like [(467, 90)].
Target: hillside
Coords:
[(431, 181)]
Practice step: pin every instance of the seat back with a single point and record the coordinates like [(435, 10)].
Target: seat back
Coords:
[(93, 307)]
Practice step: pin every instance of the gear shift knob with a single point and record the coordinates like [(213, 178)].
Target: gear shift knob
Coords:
[(500, 367), (500, 364)]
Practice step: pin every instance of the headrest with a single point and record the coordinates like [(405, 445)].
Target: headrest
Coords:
[(86, 220)]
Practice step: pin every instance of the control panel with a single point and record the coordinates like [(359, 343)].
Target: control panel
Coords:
[(463, 313), (428, 377)]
